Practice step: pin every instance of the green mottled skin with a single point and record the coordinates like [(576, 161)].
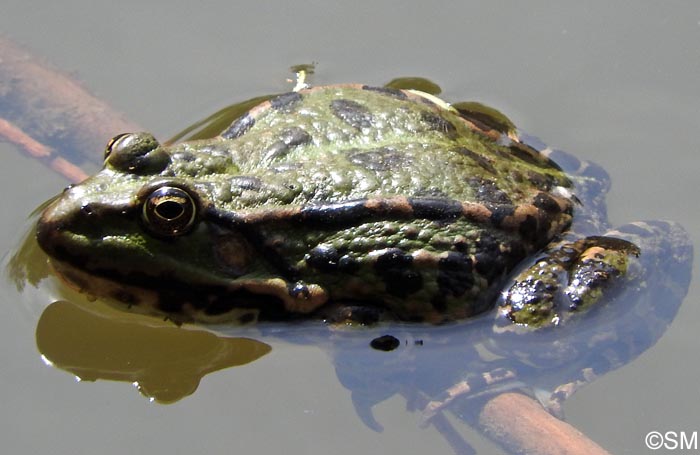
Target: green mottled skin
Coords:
[(323, 173), (250, 185)]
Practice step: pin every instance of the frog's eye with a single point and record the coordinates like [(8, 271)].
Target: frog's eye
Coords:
[(169, 211), (136, 153), (114, 144)]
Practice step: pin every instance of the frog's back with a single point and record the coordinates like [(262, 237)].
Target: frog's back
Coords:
[(388, 198), (336, 143), (392, 195)]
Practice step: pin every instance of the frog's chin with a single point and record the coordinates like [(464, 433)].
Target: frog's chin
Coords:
[(225, 304)]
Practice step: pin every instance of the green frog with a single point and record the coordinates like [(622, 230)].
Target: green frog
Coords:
[(357, 204), (347, 203)]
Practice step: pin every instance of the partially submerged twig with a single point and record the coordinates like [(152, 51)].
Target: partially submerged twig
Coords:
[(44, 154), (51, 108), (521, 424)]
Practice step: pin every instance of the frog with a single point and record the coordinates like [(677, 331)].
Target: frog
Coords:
[(356, 204), (348, 203)]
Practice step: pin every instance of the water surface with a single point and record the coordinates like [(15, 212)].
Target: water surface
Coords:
[(604, 81)]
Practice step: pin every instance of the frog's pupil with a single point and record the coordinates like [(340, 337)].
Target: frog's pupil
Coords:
[(170, 209)]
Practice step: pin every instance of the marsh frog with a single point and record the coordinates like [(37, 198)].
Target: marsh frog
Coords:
[(348, 203), (355, 204)]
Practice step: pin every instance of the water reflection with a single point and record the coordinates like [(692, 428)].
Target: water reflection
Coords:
[(165, 362)]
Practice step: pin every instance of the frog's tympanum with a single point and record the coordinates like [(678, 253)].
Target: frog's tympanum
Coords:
[(344, 203)]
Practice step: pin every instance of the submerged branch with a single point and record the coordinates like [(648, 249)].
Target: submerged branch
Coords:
[(521, 424), (54, 110), (10, 133)]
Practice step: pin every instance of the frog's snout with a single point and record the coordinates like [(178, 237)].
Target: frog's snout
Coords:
[(70, 223), (53, 226)]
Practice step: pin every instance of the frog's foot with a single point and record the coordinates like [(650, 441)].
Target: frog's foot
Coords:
[(469, 386), (571, 276)]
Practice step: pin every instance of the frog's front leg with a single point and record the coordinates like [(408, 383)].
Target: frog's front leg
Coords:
[(571, 276)]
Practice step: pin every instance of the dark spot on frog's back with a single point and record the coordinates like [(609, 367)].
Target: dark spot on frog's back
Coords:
[(542, 181), (437, 123), (381, 159), (494, 256), (285, 102), (393, 92), (289, 139), (239, 127), (184, 155), (352, 113), (487, 191), (500, 212), (530, 155), (480, 160), (396, 269)]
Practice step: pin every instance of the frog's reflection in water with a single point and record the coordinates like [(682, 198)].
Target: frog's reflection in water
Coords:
[(164, 361)]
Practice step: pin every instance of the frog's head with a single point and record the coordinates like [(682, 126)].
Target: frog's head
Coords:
[(142, 231)]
